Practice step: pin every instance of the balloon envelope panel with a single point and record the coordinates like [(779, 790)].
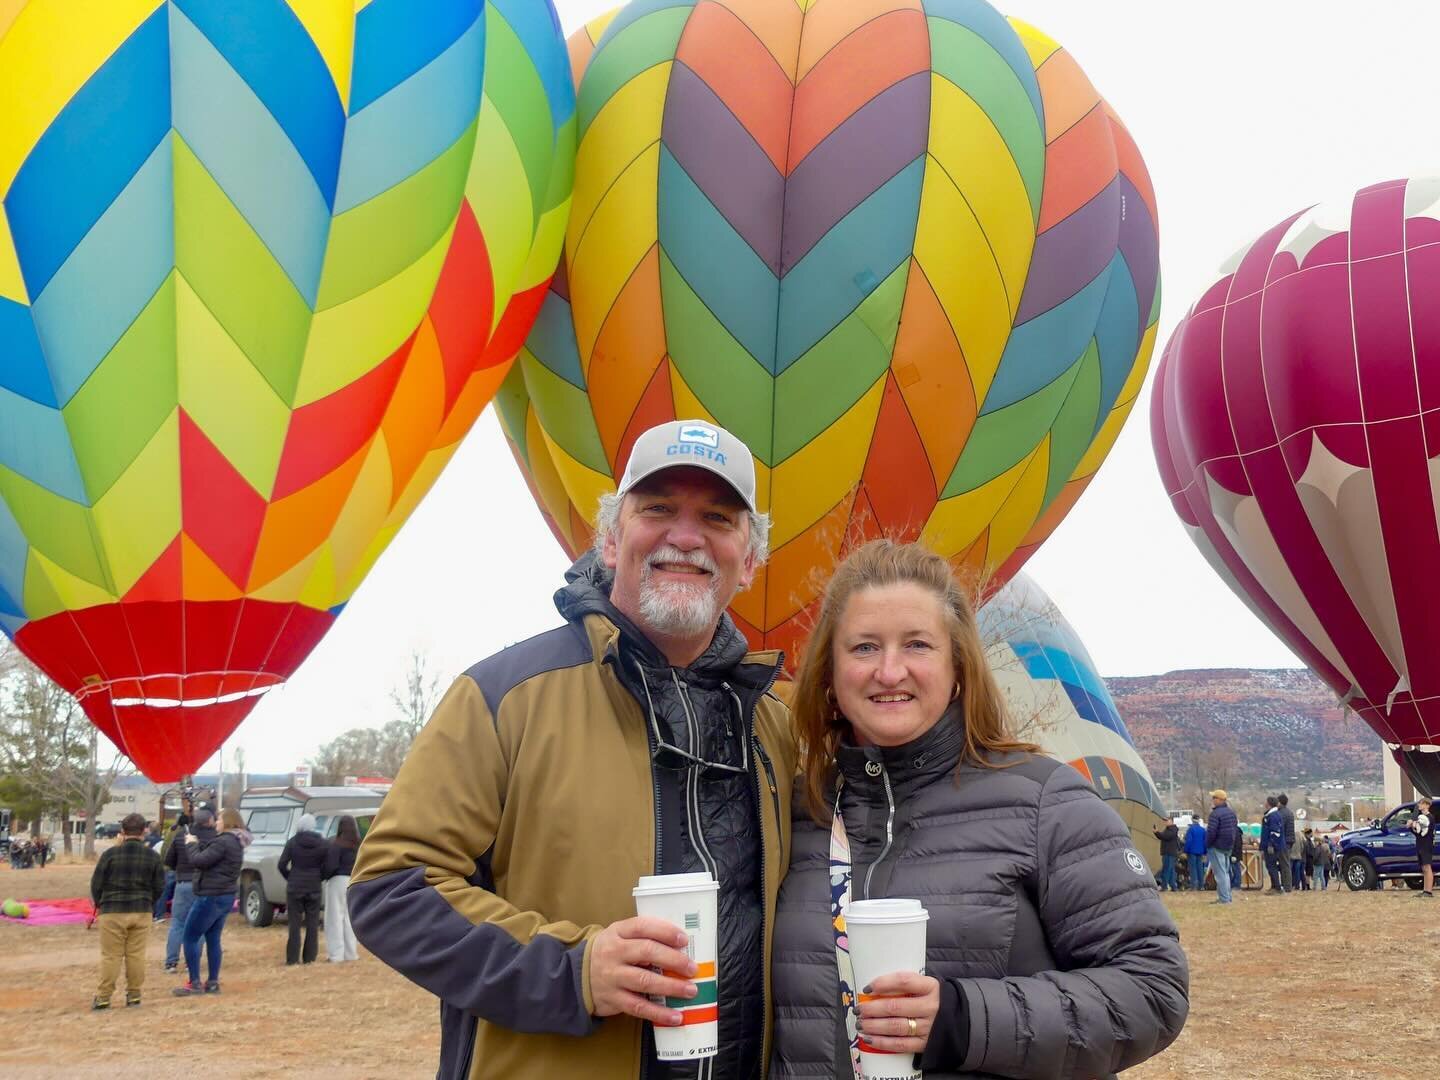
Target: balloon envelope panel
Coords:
[(261, 266), (1057, 699), (1293, 419), (908, 254)]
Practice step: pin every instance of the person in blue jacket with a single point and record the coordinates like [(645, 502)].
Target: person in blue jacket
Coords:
[(1195, 852), (1272, 844), (1220, 838)]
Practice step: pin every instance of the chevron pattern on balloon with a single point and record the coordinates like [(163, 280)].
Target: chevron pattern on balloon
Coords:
[(261, 266), (901, 247)]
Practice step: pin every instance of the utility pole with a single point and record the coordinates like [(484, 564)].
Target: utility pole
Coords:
[(220, 787), (1171, 807)]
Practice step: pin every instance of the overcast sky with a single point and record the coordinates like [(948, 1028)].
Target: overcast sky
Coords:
[(1245, 112)]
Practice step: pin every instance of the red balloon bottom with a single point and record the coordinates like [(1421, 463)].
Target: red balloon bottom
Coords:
[(168, 681)]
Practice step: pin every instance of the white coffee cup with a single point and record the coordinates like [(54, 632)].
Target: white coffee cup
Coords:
[(688, 901), (885, 936)]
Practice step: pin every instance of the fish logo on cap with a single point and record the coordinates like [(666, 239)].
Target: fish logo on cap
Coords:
[(699, 433)]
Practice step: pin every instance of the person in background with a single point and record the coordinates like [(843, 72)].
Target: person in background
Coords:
[(302, 865), (126, 881), (1297, 863), (1423, 826), (42, 850), (160, 844), (1195, 852), (1237, 860), (1308, 858), (1324, 859), (181, 878), (1220, 836), (339, 862), (1272, 845), (1287, 821), (217, 863), (1169, 837)]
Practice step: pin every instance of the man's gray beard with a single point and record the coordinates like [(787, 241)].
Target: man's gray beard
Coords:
[(678, 610)]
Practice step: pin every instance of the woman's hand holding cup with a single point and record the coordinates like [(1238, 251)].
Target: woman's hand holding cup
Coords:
[(890, 1003), (623, 959)]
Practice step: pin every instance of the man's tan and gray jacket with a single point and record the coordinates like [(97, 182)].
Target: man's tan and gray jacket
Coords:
[(520, 822)]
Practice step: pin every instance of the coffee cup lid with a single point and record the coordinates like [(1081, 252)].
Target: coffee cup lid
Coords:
[(667, 883), (880, 912)]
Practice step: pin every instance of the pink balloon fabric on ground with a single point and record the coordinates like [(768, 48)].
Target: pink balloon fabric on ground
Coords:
[(50, 912), (1296, 425)]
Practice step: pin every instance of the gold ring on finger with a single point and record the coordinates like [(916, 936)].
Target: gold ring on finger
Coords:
[(913, 1026)]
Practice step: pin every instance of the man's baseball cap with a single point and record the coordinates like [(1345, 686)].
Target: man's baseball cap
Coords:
[(693, 443), (1219, 793)]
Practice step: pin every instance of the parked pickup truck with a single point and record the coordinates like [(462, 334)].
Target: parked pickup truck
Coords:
[(271, 814), (1386, 850)]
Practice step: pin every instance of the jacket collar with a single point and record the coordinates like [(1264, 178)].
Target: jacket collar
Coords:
[(914, 764)]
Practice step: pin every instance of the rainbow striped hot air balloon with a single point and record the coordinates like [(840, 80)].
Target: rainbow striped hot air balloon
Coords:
[(904, 250), (261, 266), (1057, 699)]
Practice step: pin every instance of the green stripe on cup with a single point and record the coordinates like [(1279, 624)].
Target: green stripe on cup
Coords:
[(709, 994)]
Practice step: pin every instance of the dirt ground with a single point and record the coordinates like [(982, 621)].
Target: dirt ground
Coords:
[(1323, 985)]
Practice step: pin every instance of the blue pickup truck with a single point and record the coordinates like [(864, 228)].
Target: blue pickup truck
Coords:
[(1385, 850)]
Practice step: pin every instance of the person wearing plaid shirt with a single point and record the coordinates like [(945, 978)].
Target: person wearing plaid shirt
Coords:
[(128, 879)]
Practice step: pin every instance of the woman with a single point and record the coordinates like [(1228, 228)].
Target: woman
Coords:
[(302, 865), (217, 862), (339, 862), (1049, 953)]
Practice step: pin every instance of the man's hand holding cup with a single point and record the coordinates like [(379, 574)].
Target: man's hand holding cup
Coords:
[(623, 962)]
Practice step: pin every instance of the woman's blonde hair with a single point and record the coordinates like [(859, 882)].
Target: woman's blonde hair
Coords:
[(818, 722), (230, 819)]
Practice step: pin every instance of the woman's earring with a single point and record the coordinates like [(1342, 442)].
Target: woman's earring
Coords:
[(955, 693), (836, 720)]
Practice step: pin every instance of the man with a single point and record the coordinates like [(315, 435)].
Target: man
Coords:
[(1324, 859), (1423, 826), (1287, 820), (639, 738), (1195, 852), (1220, 839), (126, 882), (1237, 860), (181, 875), (1272, 844), (1169, 837)]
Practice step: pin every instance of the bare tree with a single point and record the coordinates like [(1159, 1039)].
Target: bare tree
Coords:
[(415, 700), (235, 779), (49, 750), (381, 751)]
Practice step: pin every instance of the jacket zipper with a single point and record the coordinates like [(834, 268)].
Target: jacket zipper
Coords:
[(764, 861), (889, 829), (706, 1068), (692, 783)]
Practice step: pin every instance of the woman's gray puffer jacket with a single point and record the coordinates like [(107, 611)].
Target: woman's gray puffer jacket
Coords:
[(1055, 956)]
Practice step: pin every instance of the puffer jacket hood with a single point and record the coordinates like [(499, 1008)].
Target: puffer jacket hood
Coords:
[(302, 862), (217, 860), (1055, 956), (707, 820)]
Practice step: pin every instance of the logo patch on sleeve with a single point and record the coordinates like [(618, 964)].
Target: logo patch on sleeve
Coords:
[(1136, 863)]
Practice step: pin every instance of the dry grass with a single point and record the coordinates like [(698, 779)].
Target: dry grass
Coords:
[(1324, 986)]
